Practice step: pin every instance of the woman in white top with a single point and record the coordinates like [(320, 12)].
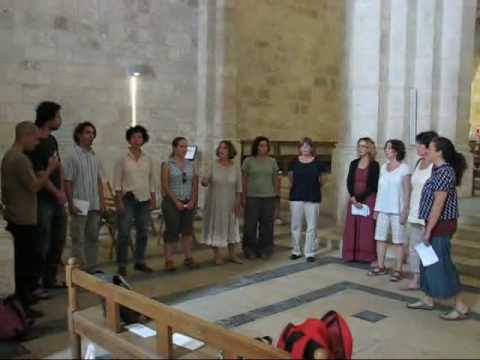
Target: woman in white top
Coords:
[(222, 204), (391, 207), (416, 226)]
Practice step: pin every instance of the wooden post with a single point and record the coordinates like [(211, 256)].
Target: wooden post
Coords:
[(164, 339), (75, 339), (113, 314)]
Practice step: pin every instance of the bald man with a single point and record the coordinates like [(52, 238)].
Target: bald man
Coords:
[(19, 195)]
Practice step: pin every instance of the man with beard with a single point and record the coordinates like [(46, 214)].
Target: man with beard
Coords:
[(83, 185), (51, 200)]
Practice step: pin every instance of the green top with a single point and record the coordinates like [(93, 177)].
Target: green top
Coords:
[(260, 172)]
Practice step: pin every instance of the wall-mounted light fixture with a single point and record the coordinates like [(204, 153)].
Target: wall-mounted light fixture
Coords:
[(134, 72)]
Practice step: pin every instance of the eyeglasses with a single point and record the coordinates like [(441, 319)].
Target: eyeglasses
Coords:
[(184, 177)]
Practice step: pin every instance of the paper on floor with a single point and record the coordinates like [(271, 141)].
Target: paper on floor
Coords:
[(187, 342), (141, 330)]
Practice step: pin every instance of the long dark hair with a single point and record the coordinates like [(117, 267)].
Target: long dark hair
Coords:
[(451, 156), (175, 143), (399, 147)]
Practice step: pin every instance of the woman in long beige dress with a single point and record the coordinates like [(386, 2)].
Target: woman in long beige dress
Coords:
[(222, 204)]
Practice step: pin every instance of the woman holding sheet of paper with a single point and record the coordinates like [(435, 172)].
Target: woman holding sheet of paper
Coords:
[(391, 208), (416, 226), (439, 208), (362, 182)]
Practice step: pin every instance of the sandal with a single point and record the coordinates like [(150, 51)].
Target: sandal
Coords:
[(420, 305), (191, 264), (378, 271), (170, 265), (455, 315), (396, 276)]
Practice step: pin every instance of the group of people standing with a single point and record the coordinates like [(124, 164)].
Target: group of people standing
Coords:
[(413, 207), (37, 187)]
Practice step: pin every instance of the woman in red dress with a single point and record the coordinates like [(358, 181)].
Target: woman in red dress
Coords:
[(362, 182)]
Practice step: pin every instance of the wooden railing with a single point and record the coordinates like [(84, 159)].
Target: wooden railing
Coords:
[(166, 319)]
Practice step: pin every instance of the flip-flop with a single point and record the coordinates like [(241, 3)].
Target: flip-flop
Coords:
[(378, 272), (420, 305), (396, 276), (455, 315)]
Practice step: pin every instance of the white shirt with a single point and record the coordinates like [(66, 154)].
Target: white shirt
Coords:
[(390, 189), (135, 176), (419, 178)]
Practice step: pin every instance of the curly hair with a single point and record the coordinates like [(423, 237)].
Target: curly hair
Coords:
[(137, 130)]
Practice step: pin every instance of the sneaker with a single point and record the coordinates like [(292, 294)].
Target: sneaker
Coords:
[(143, 268), (310, 259), (33, 314), (295, 257), (279, 221), (122, 270), (41, 294)]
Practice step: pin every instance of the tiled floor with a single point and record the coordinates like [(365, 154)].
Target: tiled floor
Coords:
[(260, 297)]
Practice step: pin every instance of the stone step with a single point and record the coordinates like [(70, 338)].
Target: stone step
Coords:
[(467, 266), (470, 281), (466, 248), (470, 219), (468, 232)]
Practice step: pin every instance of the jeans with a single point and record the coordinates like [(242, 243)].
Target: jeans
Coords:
[(52, 233), (138, 213), (84, 231), (24, 238), (310, 211), (259, 219)]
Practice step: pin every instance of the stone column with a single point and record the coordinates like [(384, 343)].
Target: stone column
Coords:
[(361, 91), (216, 79)]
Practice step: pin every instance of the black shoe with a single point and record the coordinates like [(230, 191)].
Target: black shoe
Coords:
[(250, 255), (33, 314), (295, 257), (311, 259), (265, 256), (122, 270), (143, 268)]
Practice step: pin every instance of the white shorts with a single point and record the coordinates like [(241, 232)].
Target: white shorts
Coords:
[(387, 223)]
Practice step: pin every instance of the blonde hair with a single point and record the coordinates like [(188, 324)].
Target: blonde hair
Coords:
[(372, 148)]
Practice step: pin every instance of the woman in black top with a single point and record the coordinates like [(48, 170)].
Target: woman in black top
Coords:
[(362, 183), (305, 173)]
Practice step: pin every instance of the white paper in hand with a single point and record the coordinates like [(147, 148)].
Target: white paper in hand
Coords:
[(363, 211), (427, 254), (82, 205)]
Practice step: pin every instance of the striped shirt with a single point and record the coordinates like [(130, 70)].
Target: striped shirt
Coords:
[(83, 169), (443, 180), (181, 180)]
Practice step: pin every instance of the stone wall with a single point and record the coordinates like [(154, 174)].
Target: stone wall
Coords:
[(76, 52), (289, 60)]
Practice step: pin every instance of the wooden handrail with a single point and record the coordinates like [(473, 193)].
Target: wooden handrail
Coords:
[(166, 319)]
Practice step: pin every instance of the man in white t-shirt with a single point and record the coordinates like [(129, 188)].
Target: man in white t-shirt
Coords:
[(391, 208)]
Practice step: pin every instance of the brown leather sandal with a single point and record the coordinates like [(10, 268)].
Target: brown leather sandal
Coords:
[(170, 265)]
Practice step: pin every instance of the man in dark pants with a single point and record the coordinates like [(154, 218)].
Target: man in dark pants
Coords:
[(51, 199), (19, 195)]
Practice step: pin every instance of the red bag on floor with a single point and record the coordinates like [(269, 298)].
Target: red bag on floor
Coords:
[(326, 338), (13, 322)]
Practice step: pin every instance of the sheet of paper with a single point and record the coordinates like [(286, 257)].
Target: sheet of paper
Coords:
[(186, 342), (82, 205), (363, 211), (427, 254), (141, 330)]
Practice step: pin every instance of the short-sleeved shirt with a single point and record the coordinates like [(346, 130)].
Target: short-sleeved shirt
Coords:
[(84, 170), (390, 197), (181, 180), (260, 172), (45, 149), (306, 180), (443, 180), (17, 179)]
